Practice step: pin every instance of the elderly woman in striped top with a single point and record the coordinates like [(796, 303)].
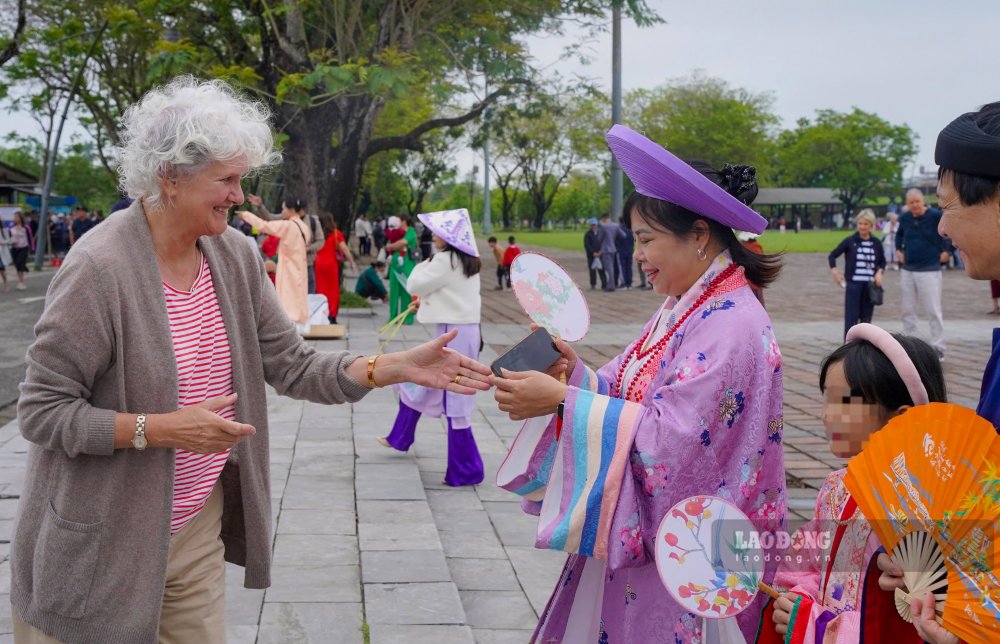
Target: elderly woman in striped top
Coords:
[(144, 398)]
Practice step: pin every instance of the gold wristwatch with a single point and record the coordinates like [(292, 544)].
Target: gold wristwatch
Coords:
[(139, 439)]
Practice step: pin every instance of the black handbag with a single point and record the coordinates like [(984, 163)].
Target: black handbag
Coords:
[(875, 294)]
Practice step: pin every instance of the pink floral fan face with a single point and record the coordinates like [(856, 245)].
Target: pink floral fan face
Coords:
[(708, 557), (549, 296)]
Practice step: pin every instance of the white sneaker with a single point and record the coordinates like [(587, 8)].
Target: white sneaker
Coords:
[(21, 286)]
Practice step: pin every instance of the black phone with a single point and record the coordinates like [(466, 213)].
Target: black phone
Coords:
[(536, 352)]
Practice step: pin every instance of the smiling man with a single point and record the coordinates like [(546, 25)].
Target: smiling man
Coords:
[(968, 153), (968, 156)]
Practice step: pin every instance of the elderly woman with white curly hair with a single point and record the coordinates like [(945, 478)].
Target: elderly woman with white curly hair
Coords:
[(144, 399)]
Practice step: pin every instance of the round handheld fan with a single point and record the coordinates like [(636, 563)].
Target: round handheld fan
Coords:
[(705, 558), (929, 484), (549, 296)]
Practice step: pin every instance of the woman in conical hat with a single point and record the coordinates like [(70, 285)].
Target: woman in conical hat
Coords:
[(447, 284), (691, 407)]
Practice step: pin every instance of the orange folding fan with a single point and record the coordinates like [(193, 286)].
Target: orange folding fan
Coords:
[(929, 484)]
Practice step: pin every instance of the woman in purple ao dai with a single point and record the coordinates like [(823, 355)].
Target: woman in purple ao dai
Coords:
[(691, 407)]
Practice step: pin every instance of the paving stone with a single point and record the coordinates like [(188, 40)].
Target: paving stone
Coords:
[(314, 584), (376, 511), (420, 603), (483, 574), (421, 634), (304, 623), (497, 609), (475, 545), (318, 550), (449, 519), (493, 636), (378, 481), (538, 572), (235, 634), (398, 536), (399, 566), (292, 521)]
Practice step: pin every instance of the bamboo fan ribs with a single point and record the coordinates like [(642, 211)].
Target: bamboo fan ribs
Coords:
[(929, 484)]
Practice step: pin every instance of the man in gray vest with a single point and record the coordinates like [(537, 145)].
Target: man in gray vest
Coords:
[(609, 233)]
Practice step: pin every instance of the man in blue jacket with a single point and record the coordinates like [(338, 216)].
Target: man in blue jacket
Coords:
[(921, 251)]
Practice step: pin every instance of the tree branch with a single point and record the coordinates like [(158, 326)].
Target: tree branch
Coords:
[(411, 140), (12, 47)]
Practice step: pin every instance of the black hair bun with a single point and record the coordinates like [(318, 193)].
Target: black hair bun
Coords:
[(740, 181)]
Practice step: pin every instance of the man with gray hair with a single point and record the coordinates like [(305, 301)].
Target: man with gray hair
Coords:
[(920, 251)]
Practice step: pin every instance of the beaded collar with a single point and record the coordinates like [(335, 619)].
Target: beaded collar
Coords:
[(722, 277)]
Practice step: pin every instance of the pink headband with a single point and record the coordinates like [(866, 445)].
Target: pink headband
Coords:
[(893, 350)]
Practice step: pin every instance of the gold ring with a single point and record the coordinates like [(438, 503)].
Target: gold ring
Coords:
[(457, 376)]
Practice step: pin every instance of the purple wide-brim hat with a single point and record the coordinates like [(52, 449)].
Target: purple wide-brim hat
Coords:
[(453, 226), (659, 174)]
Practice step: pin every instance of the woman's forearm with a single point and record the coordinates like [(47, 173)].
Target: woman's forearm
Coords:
[(389, 369)]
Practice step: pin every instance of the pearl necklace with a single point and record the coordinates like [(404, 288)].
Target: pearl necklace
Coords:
[(657, 349)]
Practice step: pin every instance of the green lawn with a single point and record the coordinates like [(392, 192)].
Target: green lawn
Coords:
[(809, 241)]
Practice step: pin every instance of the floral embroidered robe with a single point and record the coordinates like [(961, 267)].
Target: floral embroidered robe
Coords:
[(836, 578), (710, 423)]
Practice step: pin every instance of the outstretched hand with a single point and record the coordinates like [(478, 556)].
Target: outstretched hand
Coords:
[(433, 364), (527, 394)]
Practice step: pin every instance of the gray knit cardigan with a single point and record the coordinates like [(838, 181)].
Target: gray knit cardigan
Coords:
[(89, 552)]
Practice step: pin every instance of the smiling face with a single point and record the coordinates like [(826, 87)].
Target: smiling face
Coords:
[(849, 421), (864, 228), (670, 262), (974, 229), (200, 203)]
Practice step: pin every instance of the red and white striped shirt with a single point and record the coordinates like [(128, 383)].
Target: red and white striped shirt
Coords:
[(204, 370)]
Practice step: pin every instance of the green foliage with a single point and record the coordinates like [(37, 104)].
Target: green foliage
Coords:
[(855, 153), (700, 117), (78, 173), (350, 300), (583, 196)]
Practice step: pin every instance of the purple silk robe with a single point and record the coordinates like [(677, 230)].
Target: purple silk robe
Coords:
[(710, 423)]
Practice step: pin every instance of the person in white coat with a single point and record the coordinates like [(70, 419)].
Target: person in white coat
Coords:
[(448, 287)]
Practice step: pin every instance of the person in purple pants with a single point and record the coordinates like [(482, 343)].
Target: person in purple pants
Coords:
[(447, 284)]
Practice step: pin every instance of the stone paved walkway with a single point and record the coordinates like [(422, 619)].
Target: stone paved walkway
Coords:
[(368, 539)]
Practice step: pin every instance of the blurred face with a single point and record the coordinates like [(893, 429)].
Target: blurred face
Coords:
[(915, 203), (864, 228), (438, 242), (974, 229), (200, 203), (670, 262), (848, 420)]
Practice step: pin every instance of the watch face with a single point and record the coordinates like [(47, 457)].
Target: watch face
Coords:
[(139, 442)]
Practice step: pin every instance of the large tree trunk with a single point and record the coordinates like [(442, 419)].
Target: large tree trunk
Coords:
[(307, 153), (357, 122)]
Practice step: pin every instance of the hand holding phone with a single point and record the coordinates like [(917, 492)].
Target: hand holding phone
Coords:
[(536, 352)]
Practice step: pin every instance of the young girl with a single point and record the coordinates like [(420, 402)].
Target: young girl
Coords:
[(448, 287), (833, 591)]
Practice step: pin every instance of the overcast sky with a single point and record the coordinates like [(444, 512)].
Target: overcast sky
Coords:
[(910, 61)]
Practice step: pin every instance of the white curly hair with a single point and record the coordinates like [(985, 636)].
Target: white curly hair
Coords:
[(178, 129)]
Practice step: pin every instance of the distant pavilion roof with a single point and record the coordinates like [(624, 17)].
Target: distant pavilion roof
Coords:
[(779, 196), (11, 175)]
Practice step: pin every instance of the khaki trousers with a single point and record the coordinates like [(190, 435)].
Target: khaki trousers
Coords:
[(194, 599)]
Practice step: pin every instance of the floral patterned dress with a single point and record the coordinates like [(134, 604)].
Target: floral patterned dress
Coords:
[(830, 564), (709, 421)]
